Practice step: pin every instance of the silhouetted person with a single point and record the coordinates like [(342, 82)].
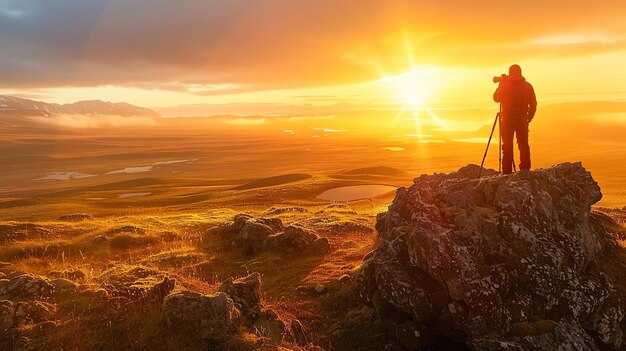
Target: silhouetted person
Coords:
[(519, 104)]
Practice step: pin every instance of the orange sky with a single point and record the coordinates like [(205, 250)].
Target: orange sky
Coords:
[(160, 53)]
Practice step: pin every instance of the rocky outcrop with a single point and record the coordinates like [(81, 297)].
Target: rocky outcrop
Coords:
[(26, 304), (498, 262), (75, 274), (22, 231), (297, 239), (16, 314), (137, 284), (211, 317), (216, 317), (257, 234), (246, 294), (27, 287)]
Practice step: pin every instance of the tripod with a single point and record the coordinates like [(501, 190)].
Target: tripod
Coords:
[(500, 149)]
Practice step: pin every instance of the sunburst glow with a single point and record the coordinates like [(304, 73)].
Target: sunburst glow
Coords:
[(412, 88)]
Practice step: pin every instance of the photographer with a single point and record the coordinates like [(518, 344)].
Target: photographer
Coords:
[(518, 106)]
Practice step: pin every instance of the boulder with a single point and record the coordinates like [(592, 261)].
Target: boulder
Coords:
[(98, 241), (297, 239), (16, 314), (300, 334), (23, 231), (137, 284), (246, 295), (210, 318), (33, 312), (76, 274), (257, 234), (26, 287), (470, 258), (7, 315), (320, 246), (127, 229), (252, 236), (249, 232), (62, 284)]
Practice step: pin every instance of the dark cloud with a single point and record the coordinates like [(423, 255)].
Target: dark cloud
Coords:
[(273, 44)]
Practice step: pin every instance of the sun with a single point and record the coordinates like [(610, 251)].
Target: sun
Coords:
[(413, 88)]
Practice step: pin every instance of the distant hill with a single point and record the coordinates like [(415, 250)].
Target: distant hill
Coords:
[(15, 107), (272, 181)]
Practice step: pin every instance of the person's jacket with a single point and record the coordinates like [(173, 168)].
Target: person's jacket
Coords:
[(517, 97)]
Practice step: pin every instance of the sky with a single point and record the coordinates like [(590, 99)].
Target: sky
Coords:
[(202, 57)]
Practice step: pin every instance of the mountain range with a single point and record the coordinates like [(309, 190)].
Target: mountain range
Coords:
[(14, 106)]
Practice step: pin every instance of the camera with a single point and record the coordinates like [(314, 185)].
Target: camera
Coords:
[(500, 79)]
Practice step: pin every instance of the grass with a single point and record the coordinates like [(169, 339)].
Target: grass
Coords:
[(170, 230), (184, 246)]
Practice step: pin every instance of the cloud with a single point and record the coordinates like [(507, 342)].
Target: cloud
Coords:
[(243, 121), (224, 47)]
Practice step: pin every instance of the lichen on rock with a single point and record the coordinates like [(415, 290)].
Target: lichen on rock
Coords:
[(469, 258)]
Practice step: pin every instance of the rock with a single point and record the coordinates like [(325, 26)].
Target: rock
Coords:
[(127, 229), (72, 275), (23, 231), (62, 284), (294, 238), (253, 235), (240, 220), (15, 273), (99, 240), (345, 279), (413, 336), (297, 239), (137, 284), (319, 289), (246, 295), (477, 259), (257, 234), (211, 317), (249, 232), (33, 312), (169, 236), (320, 246), (26, 287), (274, 223), (76, 217), (300, 335), (566, 336), (7, 315), (271, 325)]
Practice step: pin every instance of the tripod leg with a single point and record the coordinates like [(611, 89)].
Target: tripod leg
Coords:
[(513, 155), (500, 150), (488, 142)]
